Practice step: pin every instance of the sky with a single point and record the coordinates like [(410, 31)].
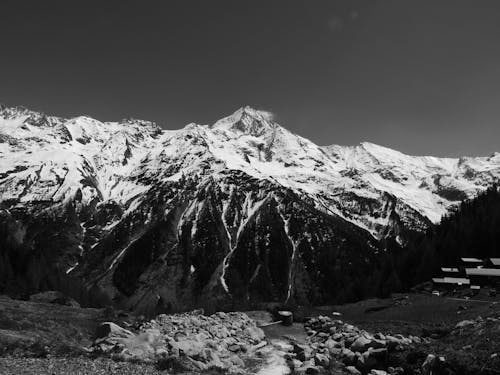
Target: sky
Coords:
[(419, 76)]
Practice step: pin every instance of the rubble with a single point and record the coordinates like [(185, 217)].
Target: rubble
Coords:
[(331, 341), (188, 341)]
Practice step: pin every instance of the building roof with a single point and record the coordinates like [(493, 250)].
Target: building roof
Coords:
[(451, 280), (457, 280), (495, 261), (449, 269), (483, 271), (472, 260)]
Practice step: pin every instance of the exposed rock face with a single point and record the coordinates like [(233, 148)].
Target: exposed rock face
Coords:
[(237, 212)]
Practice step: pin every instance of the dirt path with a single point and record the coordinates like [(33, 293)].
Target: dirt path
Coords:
[(275, 358)]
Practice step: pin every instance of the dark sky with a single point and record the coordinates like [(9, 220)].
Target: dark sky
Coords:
[(420, 76)]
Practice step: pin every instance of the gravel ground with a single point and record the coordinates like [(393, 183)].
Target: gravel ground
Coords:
[(72, 366)]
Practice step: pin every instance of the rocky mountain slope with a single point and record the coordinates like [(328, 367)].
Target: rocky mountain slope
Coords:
[(219, 215)]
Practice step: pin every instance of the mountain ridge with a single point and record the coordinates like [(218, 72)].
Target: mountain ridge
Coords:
[(216, 206)]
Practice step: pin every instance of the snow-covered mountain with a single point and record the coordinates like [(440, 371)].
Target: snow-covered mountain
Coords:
[(241, 209)]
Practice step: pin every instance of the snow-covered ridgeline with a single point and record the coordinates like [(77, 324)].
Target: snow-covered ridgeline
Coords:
[(54, 159)]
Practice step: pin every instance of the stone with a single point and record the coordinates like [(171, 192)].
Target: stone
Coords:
[(362, 343), (348, 357), (429, 364), (330, 344), (395, 370), (188, 347), (110, 329), (379, 354), (237, 361), (378, 372), (367, 360), (312, 370), (294, 364), (307, 368), (465, 323), (321, 360), (234, 348), (254, 333), (304, 352), (352, 370)]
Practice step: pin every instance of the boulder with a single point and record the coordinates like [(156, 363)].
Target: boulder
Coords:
[(112, 330), (362, 343)]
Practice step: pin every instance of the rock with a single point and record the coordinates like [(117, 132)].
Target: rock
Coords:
[(430, 365), (396, 342), (188, 347), (312, 370), (378, 372), (294, 364), (348, 357), (379, 354), (307, 368), (304, 352), (237, 361), (259, 345), (330, 344), (189, 342), (110, 329), (234, 348), (465, 323), (362, 343), (367, 361), (254, 333), (321, 360), (352, 370)]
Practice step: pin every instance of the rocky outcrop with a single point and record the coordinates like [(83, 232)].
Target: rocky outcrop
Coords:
[(190, 342), (331, 343)]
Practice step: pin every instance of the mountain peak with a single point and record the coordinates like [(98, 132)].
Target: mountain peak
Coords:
[(247, 120)]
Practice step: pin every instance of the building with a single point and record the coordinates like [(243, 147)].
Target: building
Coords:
[(473, 273)]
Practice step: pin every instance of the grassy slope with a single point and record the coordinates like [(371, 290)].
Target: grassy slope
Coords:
[(40, 328)]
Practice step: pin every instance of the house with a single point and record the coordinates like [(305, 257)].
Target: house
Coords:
[(473, 272)]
